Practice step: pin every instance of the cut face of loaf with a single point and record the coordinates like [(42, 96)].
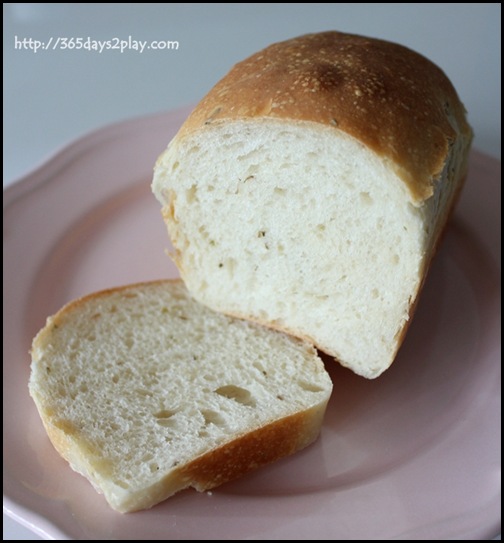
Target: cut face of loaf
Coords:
[(315, 208), (145, 392)]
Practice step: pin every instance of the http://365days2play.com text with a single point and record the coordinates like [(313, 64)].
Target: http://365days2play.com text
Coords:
[(115, 44)]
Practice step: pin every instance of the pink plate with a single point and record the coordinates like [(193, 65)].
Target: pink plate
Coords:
[(414, 454)]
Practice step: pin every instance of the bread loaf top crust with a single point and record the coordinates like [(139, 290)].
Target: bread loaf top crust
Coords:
[(392, 99)]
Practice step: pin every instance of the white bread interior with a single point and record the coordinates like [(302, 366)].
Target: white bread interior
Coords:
[(145, 392), (308, 191)]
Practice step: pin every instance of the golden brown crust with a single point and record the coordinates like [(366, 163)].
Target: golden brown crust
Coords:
[(254, 449), (393, 100)]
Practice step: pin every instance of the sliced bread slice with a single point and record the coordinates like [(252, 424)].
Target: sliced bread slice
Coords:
[(146, 392)]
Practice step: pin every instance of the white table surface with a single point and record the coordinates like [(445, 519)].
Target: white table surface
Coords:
[(54, 96)]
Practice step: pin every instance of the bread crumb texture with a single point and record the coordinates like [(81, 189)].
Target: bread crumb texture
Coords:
[(145, 392)]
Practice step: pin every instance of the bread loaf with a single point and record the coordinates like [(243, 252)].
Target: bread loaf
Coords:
[(308, 190), (145, 392)]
